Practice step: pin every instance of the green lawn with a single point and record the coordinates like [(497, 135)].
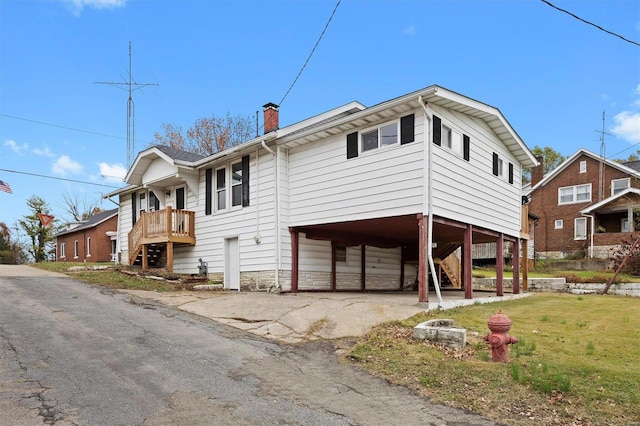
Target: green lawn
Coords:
[(577, 361)]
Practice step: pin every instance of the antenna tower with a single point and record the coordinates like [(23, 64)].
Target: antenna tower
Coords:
[(131, 85), (602, 158)]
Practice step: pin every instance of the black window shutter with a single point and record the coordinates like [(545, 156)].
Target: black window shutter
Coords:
[(208, 182), (466, 144), (134, 210), (510, 172), (407, 125), (437, 130), (245, 181), (495, 164), (352, 145), (180, 193)]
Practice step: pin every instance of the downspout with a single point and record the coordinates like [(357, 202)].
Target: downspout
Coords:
[(429, 189), (590, 234), (276, 156)]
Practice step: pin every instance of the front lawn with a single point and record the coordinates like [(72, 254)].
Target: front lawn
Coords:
[(576, 362)]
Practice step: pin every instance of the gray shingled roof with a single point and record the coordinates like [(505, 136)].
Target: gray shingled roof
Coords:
[(178, 154), (91, 221)]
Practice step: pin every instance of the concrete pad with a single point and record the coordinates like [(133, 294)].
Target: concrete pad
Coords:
[(301, 317)]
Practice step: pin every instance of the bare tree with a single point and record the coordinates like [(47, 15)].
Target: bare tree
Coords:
[(170, 136), (79, 207), (207, 135)]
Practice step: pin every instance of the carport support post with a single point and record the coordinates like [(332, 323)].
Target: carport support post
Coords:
[(423, 284), (333, 266), (363, 267), (499, 264), (515, 259), (295, 240), (467, 262), (145, 259)]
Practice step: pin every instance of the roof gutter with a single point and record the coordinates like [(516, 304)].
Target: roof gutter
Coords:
[(429, 189)]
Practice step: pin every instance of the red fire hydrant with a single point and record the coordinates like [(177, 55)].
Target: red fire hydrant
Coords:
[(499, 339)]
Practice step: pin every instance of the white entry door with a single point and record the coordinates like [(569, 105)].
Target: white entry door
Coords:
[(231, 264)]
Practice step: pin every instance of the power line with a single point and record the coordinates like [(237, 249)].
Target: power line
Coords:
[(58, 178), (590, 23), (61, 127), (312, 51)]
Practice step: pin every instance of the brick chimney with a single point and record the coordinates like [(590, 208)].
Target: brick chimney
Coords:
[(271, 119), (537, 173)]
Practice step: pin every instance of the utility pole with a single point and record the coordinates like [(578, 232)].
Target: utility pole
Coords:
[(131, 85)]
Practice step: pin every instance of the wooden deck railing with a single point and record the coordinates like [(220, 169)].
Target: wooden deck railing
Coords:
[(162, 226)]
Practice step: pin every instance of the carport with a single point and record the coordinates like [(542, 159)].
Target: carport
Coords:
[(410, 233)]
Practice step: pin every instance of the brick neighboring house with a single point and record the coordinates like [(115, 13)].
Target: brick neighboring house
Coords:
[(92, 240), (585, 206)]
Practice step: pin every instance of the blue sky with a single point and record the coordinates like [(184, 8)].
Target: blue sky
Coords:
[(551, 75)]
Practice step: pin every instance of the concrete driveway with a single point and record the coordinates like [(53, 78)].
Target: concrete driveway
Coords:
[(296, 317)]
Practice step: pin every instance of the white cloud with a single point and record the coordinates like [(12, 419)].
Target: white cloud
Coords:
[(15, 147), (113, 172), (78, 5), (410, 30), (627, 126), (65, 166), (45, 152), (627, 123)]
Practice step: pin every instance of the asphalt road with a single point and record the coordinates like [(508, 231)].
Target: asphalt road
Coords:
[(73, 354)]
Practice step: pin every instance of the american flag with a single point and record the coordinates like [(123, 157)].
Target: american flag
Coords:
[(4, 186)]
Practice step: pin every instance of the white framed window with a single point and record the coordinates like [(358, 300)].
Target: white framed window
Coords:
[(221, 189), (88, 246), (447, 140), (236, 184), (619, 185), (558, 224), (229, 184), (143, 202), (580, 228), (583, 166), (75, 249), (63, 251), (624, 225), (384, 135), (574, 194)]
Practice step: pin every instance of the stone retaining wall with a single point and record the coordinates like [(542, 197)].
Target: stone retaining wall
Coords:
[(559, 285)]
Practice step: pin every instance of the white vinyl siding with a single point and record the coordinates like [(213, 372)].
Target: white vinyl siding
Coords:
[(254, 226), (326, 187), (467, 191)]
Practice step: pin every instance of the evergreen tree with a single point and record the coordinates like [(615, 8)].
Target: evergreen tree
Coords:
[(40, 236)]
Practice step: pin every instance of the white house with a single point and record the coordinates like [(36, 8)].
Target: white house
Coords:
[(355, 198)]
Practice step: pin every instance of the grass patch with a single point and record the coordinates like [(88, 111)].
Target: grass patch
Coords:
[(571, 276), (557, 374), (111, 278)]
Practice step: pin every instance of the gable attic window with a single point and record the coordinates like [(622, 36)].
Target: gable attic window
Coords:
[(583, 166), (449, 138), (574, 194), (388, 134), (619, 185)]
